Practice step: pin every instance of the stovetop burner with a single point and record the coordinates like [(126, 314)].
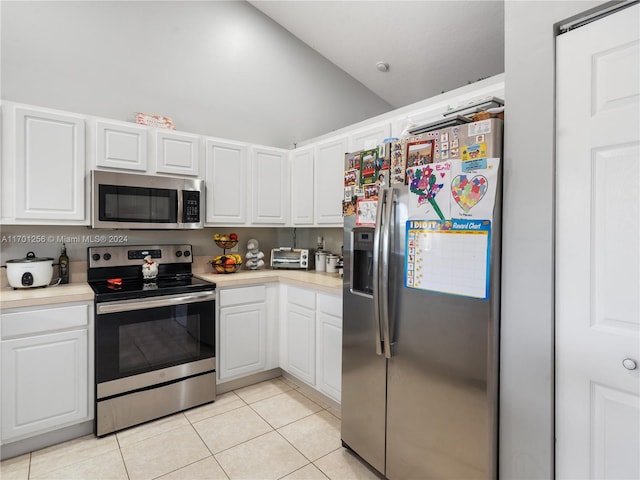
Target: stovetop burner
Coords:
[(137, 288), (115, 273)]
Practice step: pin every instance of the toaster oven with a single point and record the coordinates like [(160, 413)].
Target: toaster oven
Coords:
[(294, 258)]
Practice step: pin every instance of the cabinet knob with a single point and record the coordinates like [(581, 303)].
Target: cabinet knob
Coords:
[(629, 364)]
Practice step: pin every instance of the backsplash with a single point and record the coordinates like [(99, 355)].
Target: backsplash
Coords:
[(46, 241)]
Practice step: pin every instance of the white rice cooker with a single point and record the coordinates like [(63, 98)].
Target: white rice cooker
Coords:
[(30, 271)]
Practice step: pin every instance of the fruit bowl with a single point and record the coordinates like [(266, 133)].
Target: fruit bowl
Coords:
[(226, 244), (226, 268), (229, 263)]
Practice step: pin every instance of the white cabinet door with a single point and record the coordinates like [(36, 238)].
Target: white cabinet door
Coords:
[(369, 137), (269, 186), (302, 187), (243, 340), (301, 342), (226, 172), (329, 319), (44, 382), (43, 170), (177, 153), (120, 145), (329, 182)]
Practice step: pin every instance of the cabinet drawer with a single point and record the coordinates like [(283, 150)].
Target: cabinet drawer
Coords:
[(330, 304), (304, 298), (44, 319), (238, 296)]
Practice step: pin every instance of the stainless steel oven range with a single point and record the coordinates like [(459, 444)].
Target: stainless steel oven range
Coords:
[(154, 338)]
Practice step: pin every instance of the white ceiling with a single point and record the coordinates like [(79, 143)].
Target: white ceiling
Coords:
[(430, 46)]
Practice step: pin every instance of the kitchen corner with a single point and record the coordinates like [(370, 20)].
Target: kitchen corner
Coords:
[(327, 282)]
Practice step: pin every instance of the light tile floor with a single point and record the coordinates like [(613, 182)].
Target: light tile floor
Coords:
[(270, 430)]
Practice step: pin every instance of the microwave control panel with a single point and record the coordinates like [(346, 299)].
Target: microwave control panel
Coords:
[(190, 206)]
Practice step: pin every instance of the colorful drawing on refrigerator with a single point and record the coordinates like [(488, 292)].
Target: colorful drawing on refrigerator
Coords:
[(450, 256), (366, 212), (473, 193), (429, 191)]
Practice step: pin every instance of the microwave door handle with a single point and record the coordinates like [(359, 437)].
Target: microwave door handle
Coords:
[(376, 270), (387, 235), (180, 207)]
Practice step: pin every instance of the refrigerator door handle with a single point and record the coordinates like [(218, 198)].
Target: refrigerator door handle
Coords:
[(377, 265), (384, 277)]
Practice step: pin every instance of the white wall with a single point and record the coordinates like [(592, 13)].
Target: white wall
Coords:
[(218, 68), (527, 324)]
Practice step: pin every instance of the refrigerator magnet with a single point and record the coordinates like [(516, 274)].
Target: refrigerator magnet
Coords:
[(348, 208), (419, 153), (352, 161), (351, 177), (369, 159), (474, 157), (366, 212)]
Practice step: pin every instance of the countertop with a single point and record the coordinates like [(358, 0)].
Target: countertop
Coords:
[(81, 292), (327, 282)]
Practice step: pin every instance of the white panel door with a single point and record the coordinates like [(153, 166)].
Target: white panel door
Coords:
[(330, 354), (45, 382), (302, 187), (269, 185), (243, 340), (177, 153), (49, 166), (226, 180), (301, 343), (598, 248), (120, 145), (329, 182)]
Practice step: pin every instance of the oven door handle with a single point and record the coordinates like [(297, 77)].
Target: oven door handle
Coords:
[(154, 302)]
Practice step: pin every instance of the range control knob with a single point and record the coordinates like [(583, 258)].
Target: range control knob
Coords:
[(95, 257), (187, 253), (178, 254), (107, 256)]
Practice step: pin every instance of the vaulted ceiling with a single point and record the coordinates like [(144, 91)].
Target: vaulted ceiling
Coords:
[(430, 46)]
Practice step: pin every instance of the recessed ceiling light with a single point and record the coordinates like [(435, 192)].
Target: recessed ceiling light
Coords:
[(382, 66)]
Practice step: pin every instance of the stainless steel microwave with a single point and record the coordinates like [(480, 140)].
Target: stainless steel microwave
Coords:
[(132, 201)]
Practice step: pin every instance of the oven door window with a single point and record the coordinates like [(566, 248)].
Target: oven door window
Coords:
[(139, 341), (138, 204)]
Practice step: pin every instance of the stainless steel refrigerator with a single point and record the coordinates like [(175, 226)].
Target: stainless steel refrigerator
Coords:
[(420, 365)]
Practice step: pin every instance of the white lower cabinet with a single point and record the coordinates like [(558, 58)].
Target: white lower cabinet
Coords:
[(329, 364), (246, 331), (312, 343), (47, 369), (301, 334)]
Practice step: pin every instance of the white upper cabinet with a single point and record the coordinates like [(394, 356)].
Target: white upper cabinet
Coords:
[(43, 166), (269, 185), (302, 187), (118, 145), (370, 137), (226, 173), (329, 181), (176, 152)]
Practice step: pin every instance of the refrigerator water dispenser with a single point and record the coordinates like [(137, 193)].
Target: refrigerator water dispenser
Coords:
[(362, 268)]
